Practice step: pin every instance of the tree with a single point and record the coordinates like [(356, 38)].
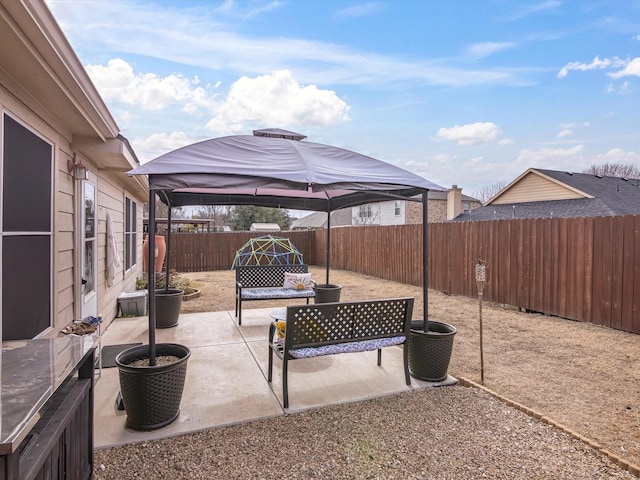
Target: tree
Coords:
[(366, 215), (614, 169), (217, 213), (162, 211), (486, 193), (241, 217)]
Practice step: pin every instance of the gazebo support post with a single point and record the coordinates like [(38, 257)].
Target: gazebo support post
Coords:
[(328, 241), (425, 258), (151, 279), (168, 256)]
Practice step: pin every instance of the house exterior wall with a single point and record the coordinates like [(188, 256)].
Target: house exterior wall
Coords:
[(62, 227), (388, 213), (535, 188), (437, 212), (110, 198)]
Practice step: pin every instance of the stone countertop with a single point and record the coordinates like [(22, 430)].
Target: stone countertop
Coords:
[(32, 370)]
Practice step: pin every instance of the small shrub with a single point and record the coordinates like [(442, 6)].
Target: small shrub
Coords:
[(175, 281)]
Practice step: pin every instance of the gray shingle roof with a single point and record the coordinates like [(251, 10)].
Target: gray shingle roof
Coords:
[(613, 196)]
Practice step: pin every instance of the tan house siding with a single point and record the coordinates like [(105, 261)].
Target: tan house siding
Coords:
[(62, 225), (44, 87), (65, 251), (535, 188), (111, 199)]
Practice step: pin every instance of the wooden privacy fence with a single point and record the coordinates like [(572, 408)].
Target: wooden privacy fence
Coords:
[(585, 269), (206, 252)]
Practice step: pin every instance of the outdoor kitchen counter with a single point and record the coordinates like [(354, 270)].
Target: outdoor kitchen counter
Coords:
[(32, 372)]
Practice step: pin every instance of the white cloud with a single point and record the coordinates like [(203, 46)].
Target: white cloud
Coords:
[(277, 100), (554, 158), (631, 69), (564, 133), (159, 143), (620, 156), (210, 38), (506, 141), (118, 82), (470, 134), (526, 9), (485, 49), (627, 67), (595, 64), (360, 10)]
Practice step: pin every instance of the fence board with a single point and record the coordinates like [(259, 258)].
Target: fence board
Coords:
[(635, 319)]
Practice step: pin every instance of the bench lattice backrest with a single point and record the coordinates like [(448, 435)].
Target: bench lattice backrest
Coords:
[(258, 276), (333, 323)]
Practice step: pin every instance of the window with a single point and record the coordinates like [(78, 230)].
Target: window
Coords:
[(466, 206), (26, 232), (130, 234), (396, 210), (365, 211)]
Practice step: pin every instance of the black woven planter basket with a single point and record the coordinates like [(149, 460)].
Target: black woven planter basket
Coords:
[(151, 395), (168, 305), (327, 293), (430, 352)]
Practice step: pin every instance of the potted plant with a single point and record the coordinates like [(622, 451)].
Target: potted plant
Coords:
[(151, 394), (169, 297), (429, 347), (152, 376), (327, 292)]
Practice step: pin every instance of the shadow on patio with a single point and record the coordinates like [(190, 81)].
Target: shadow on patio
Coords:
[(226, 376)]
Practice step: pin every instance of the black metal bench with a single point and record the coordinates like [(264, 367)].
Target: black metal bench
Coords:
[(266, 282), (331, 328)]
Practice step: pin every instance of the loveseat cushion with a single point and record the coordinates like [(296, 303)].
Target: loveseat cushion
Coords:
[(351, 347), (275, 292)]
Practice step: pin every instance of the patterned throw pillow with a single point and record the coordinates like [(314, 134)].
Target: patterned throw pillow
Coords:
[(298, 281), (311, 330)]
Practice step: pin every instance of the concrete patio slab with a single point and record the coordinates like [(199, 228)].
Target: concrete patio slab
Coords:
[(226, 379)]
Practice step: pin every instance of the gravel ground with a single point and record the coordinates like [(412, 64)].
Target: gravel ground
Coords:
[(584, 377), (438, 433)]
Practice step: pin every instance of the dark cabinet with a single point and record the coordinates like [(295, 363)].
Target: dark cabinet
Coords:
[(57, 442)]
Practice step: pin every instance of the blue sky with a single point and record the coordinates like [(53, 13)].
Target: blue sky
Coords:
[(460, 92)]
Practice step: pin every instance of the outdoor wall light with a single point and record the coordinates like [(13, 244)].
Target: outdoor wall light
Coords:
[(78, 170)]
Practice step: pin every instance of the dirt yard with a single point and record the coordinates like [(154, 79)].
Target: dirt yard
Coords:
[(580, 375)]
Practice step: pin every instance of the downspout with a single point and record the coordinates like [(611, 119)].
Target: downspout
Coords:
[(151, 277)]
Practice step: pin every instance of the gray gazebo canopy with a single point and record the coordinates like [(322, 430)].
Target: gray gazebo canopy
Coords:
[(275, 168)]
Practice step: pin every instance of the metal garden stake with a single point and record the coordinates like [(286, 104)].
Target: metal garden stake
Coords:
[(480, 278)]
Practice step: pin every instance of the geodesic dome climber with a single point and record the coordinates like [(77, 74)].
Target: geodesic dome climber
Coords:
[(268, 250)]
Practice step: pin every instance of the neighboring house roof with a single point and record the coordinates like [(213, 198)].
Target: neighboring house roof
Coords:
[(539, 193), (339, 218)]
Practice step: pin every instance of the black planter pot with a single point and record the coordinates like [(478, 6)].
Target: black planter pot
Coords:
[(430, 352), (168, 305), (327, 293), (151, 395)]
